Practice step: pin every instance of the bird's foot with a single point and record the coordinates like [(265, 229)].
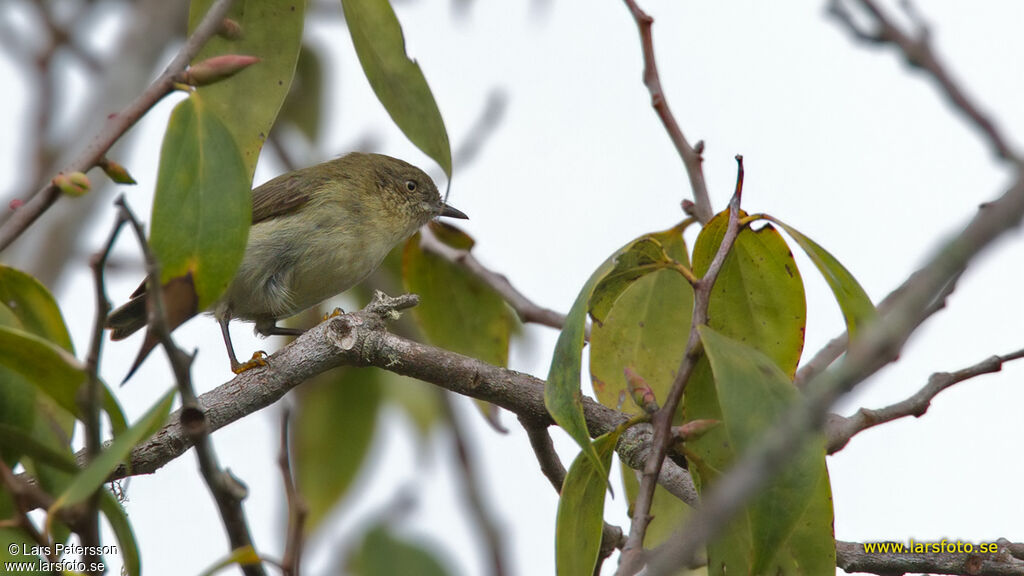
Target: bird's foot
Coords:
[(335, 313), (259, 358)]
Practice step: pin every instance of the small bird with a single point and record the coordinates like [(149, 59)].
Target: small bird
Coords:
[(315, 233)]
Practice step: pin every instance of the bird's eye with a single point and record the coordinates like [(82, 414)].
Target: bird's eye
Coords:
[(410, 185)]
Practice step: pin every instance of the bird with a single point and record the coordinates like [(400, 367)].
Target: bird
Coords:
[(316, 232)]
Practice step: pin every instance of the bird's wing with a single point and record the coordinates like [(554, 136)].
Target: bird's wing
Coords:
[(283, 194)]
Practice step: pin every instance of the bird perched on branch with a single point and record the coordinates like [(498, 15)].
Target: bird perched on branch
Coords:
[(315, 233)]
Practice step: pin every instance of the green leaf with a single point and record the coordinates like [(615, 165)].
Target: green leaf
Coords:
[(644, 256), (242, 556), (27, 305), (248, 102), (333, 429), (562, 396), (14, 438), (127, 547), (302, 108), (34, 306), (48, 367), (758, 297), (580, 518), (398, 81), (96, 473), (853, 301), (668, 512), (203, 207), (457, 310), (385, 554), (790, 522), (646, 329)]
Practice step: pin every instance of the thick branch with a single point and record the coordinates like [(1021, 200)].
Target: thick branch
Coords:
[(367, 343)]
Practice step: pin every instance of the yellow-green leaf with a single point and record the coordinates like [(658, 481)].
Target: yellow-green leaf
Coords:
[(248, 102), (96, 473), (853, 301), (333, 427), (302, 108), (788, 527), (398, 81), (457, 310), (385, 554), (758, 297), (203, 207), (646, 330), (643, 257), (580, 518), (242, 556), (127, 547), (562, 395), (34, 306)]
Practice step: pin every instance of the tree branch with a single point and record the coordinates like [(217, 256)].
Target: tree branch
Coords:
[(632, 558), (878, 346), (227, 491), (691, 155), (917, 51), (115, 127), (478, 506), (840, 429), (525, 308)]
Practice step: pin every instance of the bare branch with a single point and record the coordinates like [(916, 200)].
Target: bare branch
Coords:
[(692, 156), (840, 429), (917, 51), (115, 127), (632, 559), (612, 537), (471, 486), (227, 491), (525, 308), (297, 507)]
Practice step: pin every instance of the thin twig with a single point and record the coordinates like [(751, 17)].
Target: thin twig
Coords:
[(291, 563), (227, 491), (824, 358), (115, 126), (840, 429), (90, 533), (22, 494), (692, 156), (917, 50), (478, 507), (879, 345), (526, 309), (612, 537), (632, 555)]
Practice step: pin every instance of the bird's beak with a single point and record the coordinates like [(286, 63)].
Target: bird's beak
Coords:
[(453, 213)]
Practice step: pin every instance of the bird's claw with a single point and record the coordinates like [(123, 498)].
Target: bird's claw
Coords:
[(335, 313), (259, 358)]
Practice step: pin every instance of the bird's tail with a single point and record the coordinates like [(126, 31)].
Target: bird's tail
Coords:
[(180, 304)]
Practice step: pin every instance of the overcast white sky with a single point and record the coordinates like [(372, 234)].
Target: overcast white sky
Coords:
[(840, 141)]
